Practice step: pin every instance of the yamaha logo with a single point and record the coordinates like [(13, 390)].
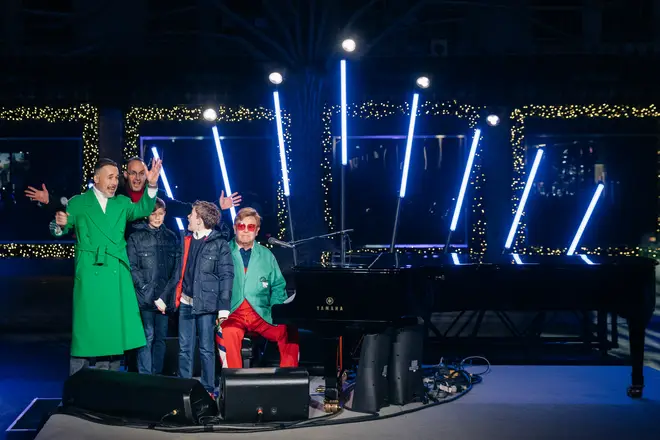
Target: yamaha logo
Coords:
[(330, 306)]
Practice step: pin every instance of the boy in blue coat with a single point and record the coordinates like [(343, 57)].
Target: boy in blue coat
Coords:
[(152, 252)]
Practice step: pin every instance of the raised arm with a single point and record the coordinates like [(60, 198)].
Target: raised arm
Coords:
[(42, 196), (176, 208), (227, 202), (48, 200), (146, 204)]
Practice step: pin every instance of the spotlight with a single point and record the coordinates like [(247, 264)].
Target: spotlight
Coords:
[(493, 120), (210, 115), (423, 82), (275, 78), (348, 45)]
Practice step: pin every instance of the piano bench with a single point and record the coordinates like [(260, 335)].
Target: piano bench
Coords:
[(251, 350)]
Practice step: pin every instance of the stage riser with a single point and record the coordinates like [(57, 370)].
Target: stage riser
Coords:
[(34, 416)]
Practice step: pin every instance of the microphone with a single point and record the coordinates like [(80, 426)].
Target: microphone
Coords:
[(61, 204), (275, 241)]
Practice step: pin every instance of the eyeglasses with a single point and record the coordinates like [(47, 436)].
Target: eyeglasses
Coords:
[(242, 227)]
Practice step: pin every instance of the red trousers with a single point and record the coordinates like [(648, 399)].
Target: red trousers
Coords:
[(245, 320)]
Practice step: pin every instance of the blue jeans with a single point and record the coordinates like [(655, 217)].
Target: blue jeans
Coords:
[(150, 358), (191, 326)]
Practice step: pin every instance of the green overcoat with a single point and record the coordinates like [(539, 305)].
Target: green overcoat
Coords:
[(106, 317), (262, 285)]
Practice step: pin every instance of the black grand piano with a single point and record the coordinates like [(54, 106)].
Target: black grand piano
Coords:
[(332, 301)]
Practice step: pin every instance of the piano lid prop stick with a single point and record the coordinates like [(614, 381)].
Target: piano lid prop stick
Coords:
[(166, 184), (406, 166), (223, 168), (585, 219), (285, 170), (464, 183), (523, 200)]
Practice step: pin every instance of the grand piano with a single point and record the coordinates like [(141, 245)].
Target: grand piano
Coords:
[(380, 291)]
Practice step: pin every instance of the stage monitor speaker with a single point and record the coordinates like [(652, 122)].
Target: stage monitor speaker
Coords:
[(264, 394), (171, 360), (406, 383), (371, 386), (138, 396)]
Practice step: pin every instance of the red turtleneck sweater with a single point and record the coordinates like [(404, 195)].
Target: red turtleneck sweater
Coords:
[(134, 195)]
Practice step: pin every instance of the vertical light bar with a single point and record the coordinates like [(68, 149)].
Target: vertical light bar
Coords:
[(586, 260), (454, 259), (409, 141), (344, 130), (517, 259), (585, 219), (223, 168), (166, 184), (523, 199), (466, 178), (280, 139)]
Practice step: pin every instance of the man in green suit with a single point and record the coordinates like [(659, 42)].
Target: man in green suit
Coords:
[(106, 317), (258, 284)]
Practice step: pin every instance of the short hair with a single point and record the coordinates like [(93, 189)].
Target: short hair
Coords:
[(104, 162), (133, 159), (243, 213), (208, 212), (160, 203)]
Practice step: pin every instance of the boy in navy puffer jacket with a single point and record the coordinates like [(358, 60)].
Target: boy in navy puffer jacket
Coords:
[(153, 252)]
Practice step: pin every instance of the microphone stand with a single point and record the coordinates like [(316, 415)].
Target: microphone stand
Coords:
[(332, 234), (297, 242), (447, 245)]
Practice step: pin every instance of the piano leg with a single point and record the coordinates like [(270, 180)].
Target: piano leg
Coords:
[(332, 382), (637, 334)]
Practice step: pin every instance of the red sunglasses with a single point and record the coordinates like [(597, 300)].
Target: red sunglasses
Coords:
[(243, 227)]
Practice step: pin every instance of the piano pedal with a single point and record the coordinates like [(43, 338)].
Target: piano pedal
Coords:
[(331, 406), (635, 391)]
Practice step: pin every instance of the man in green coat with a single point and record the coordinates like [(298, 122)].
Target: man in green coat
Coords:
[(258, 285), (106, 317)]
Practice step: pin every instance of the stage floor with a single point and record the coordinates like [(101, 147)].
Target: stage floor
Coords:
[(513, 402)]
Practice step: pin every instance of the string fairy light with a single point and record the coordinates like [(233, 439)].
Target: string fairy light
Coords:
[(604, 111), (84, 114), (374, 110), (138, 115)]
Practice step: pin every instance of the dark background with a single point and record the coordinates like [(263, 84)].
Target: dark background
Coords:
[(40, 152), (373, 180), (566, 181)]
